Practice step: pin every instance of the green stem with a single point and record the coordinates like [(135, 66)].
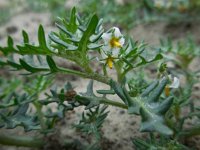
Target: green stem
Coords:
[(93, 76), (79, 58), (16, 140), (152, 138), (118, 67), (126, 71), (89, 74), (113, 103), (38, 107)]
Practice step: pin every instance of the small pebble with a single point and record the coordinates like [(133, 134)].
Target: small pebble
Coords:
[(11, 29)]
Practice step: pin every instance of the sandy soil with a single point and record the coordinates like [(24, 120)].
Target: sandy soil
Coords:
[(119, 127)]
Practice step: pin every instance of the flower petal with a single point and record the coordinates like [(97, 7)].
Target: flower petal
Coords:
[(122, 41), (175, 84), (106, 37), (103, 55), (106, 48), (117, 32), (115, 52)]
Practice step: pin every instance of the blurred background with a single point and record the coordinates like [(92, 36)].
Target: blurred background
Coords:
[(173, 26), (148, 20)]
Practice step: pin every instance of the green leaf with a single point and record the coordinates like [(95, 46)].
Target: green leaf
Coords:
[(150, 88), (25, 36), (92, 121), (153, 123), (119, 91), (68, 47), (106, 91), (10, 48), (41, 38), (19, 118), (72, 25), (155, 94), (62, 28), (42, 49), (89, 31), (52, 64), (30, 68), (96, 37), (14, 65), (94, 46), (144, 61), (148, 106), (89, 99)]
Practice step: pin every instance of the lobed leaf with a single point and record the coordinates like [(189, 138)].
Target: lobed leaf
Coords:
[(152, 110)]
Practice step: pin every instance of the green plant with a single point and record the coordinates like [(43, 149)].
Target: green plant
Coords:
[(182, 54), (162, 143), (75, 42)]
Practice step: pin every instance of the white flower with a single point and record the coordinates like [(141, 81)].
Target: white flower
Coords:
[(174, 82), (108, 59), (113, 42)]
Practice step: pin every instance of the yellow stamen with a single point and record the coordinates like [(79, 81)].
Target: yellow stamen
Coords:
[(109, 61), (167, 90), (114, 42)]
